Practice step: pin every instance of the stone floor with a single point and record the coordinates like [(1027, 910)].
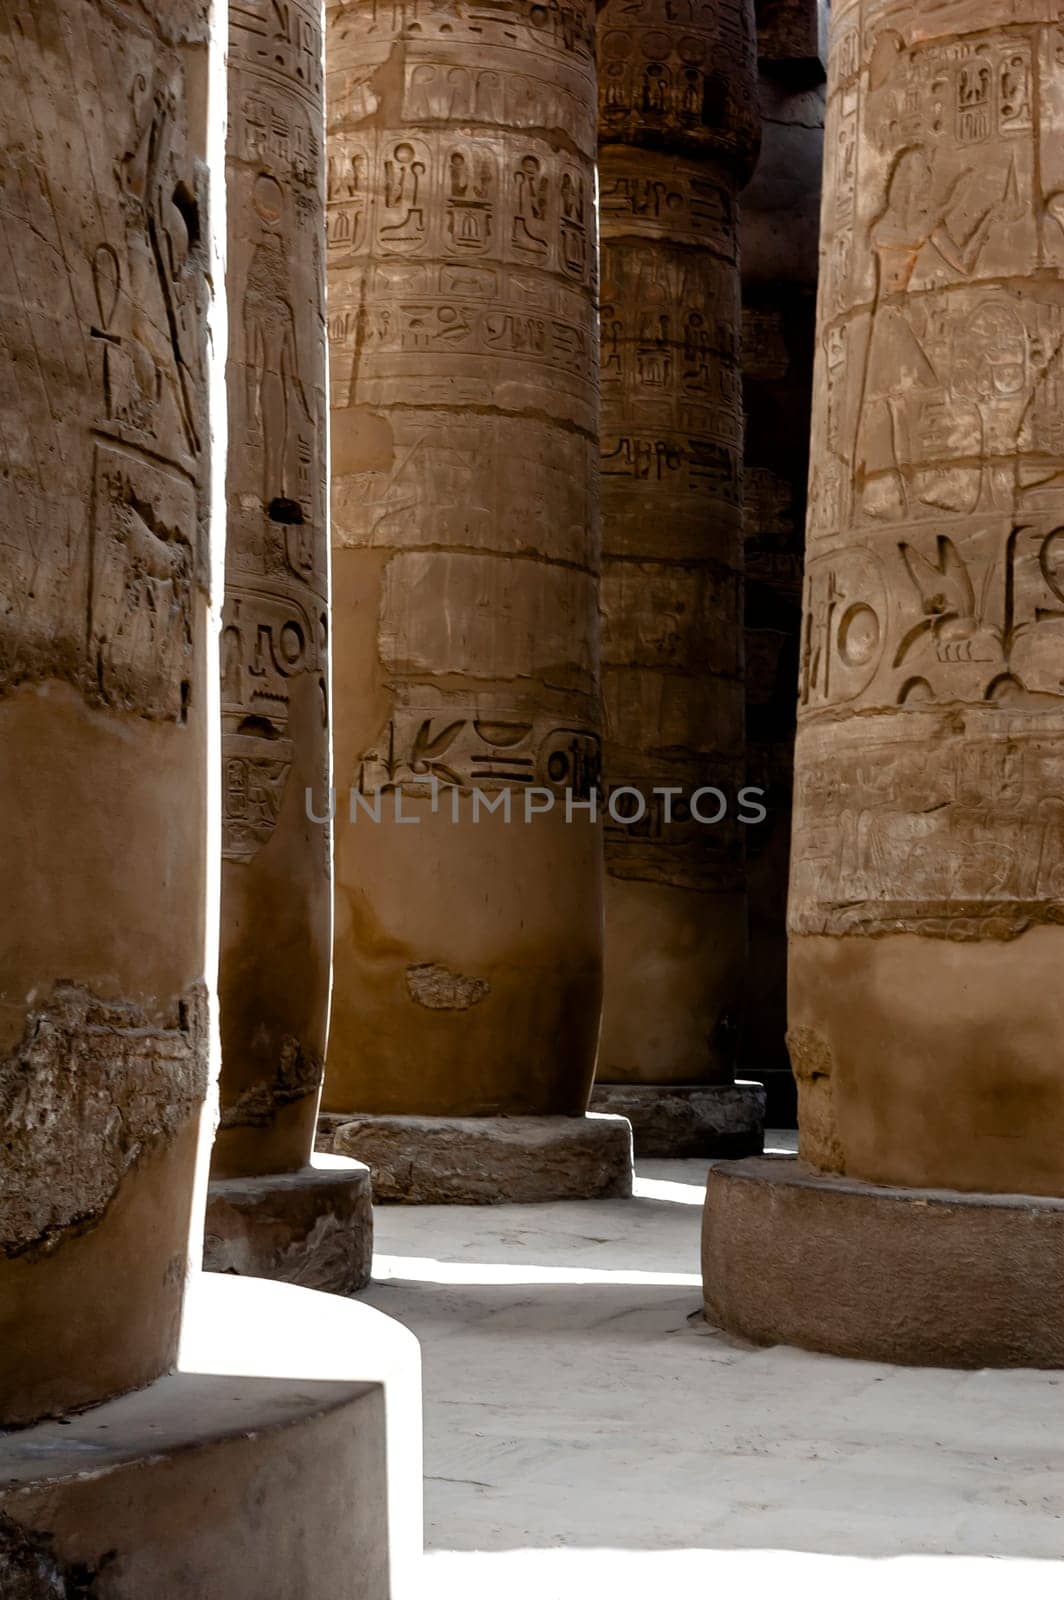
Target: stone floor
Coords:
[(586, 1433)]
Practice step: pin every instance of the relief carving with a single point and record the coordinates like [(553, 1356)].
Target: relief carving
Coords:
[(933, 598)]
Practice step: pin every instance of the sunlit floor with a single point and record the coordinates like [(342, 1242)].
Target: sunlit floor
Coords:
[(586, 1432)]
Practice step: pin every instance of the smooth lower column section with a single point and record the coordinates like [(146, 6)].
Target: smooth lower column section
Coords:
[(925, 901), (283, 1458), (104, 668), (678, 132)]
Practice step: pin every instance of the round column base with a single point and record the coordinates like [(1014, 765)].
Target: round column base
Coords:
[(313, 1228), (922, 1277), (283, 1459), (681, 1120), (476, 1161)]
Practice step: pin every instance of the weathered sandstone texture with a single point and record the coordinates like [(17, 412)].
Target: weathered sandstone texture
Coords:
[(678, 132), (461, 228), (276, 878), (726, 1120), (928, 1277), (313, 1227), (489, 1160), (104, 579), (927, 889), (779, 236)]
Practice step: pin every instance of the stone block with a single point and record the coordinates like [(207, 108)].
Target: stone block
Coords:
[(677, 1120), (489, 1160), (313, 1228), (922, 1277), (282, 1460)]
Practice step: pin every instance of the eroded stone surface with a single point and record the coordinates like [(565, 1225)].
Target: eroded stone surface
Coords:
[(677, 134), (488, 1160), (927, 881), (462, 263), (93, 1086), (276, 877)]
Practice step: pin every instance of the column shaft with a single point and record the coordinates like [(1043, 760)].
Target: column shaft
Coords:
[(104, 596), (276, 872), (927, 886), (466, 552), (678, 131)]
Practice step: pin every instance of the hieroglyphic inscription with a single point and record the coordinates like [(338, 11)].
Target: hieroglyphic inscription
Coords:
[(934, 593), (463, 270), (462, 260), (276, 570), (677, 135), (104, 385)]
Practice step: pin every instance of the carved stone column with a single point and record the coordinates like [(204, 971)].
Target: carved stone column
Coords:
[(462, 252), (927, 885), (780, 227), (678, 132), (276, 934), (104, 579), (111, 122)]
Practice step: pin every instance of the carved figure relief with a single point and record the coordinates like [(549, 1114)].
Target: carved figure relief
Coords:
[(932, 582)]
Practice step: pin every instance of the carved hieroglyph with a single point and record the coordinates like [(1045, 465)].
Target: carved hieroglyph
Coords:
[(677, 132), (930, 768), (276, 883), (461, 228), (103, 643)]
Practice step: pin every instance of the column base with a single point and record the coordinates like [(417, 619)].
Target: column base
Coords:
[(921, 1277), (474, 1161), (283, 1459), (680, 1120), (313, 1228)]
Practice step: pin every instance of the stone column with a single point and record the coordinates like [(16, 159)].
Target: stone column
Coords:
[(678, 132), (111, 122), (462, 251), (779, 232), (276, 933), (928, 865), (104, 584)]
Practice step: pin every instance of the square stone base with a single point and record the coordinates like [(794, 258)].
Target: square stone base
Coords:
[(923, 1277), (282, 1461), (477, 1161), (313, 1228), (682, 1120)]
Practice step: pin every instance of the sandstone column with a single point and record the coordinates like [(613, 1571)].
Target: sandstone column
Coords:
[(461, 225), (276, 934), (111, 122), (104, 582), (678, 132), (928, 865), (779, 232)]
